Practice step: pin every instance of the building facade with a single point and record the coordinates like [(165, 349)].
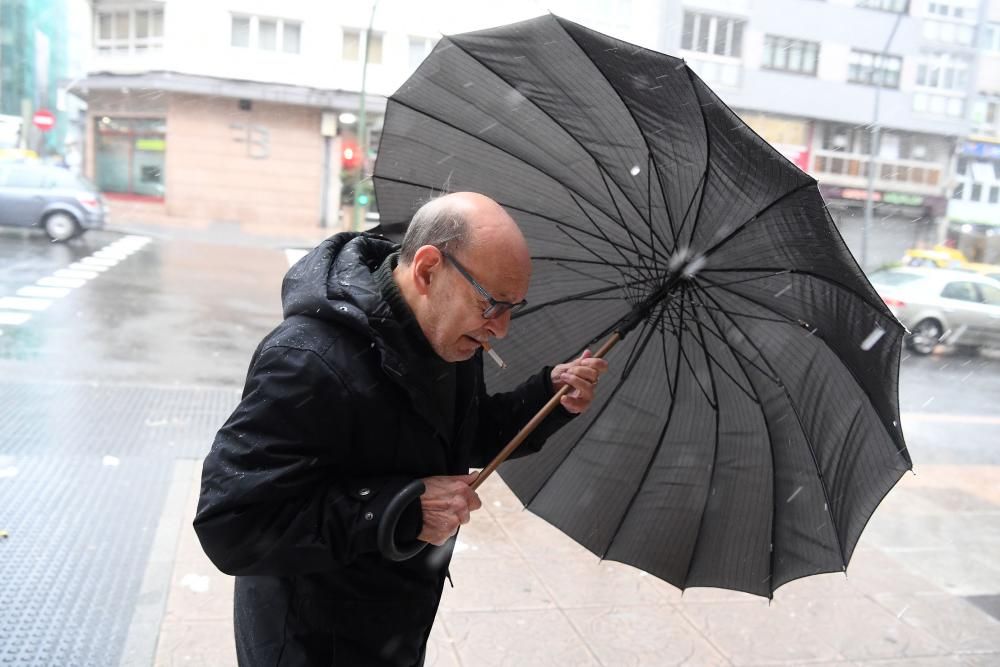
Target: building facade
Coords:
[(34, 61), (247, 111), (815, 79)]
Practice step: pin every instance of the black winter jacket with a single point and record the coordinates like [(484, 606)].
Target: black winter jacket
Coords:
[(337, 416)]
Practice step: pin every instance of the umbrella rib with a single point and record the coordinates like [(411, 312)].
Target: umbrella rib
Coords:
[(579, 272), (507, 152), (747, 280), (821, 339), (512, 207), (802, 428), (757, 215), (655, 452), (562, 222), (748, 315), (614, 392), (711, 356), (752, 300), (811, 274), (625, 227), (597, 163), (573, 297), (763, 414), (592, 251), (694, 195), (688, 360), (666, 367), (733, 349), (649, 152), (605, 237), (546, 258), (715, 448)]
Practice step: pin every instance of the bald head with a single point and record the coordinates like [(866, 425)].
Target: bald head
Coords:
[(463, 220), (470, 230)]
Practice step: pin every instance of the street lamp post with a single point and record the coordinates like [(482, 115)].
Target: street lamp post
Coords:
[(362, 128), (879, 76)]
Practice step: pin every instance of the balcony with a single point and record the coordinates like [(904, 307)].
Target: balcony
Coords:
[(851, 170)]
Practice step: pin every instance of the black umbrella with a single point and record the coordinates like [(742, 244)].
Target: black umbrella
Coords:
[(750, 426)]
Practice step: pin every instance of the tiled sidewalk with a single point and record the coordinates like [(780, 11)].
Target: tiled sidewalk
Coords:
[(919, 592)]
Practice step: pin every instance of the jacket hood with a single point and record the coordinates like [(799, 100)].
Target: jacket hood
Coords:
[(334, 282)]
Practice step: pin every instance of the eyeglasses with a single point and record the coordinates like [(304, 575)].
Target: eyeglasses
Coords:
[(496, 307)]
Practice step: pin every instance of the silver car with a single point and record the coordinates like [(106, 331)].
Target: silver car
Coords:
[(942, 306), (50, 197)]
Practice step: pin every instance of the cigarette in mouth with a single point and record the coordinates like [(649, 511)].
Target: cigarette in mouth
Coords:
[(494, 355)]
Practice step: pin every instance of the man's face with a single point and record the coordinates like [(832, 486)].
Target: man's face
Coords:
[(457, 327)]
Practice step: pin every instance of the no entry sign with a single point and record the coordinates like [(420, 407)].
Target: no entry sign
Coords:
[(44, 120)]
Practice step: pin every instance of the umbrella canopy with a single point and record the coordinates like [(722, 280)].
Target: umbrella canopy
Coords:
[(749, 425)]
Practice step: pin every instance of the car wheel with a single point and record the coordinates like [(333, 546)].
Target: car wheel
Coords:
[(925, 336), (60, 226)]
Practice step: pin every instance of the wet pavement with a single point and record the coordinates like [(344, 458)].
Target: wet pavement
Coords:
[(111, 391)]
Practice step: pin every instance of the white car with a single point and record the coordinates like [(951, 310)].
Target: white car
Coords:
[(942, 306)]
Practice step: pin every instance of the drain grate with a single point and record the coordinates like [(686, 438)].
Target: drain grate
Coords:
[(81, 526)]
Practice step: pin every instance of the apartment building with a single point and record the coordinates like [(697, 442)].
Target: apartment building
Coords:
[(246, 111), (810, 77)]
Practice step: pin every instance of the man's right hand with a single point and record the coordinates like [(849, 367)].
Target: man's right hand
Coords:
[(446, 503)]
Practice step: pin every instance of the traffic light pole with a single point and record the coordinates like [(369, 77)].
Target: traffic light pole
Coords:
[(362, 129)]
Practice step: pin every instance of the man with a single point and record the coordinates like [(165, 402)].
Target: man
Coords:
[(373, 380)]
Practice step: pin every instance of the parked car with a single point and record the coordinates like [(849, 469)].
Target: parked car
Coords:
[(942, 306), (50, 197)]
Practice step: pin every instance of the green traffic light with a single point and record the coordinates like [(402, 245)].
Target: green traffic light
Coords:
[(362, 200)]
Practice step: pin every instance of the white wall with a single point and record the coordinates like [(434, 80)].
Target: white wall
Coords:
[(197, 35)]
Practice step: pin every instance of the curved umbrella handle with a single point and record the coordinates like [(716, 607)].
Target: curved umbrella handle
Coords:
[(546, 410), (387, 526)]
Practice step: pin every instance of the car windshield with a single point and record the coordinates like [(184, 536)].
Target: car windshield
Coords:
[(894, 278)]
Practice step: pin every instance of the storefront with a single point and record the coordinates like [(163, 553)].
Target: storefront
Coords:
[(130, 155), (900, 220)]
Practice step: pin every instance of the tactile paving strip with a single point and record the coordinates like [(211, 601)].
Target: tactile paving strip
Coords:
[(81, 528)]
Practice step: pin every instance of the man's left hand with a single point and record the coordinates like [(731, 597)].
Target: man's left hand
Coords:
[(582, 375)]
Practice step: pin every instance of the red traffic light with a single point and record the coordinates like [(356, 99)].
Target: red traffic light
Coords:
[(350, 154)]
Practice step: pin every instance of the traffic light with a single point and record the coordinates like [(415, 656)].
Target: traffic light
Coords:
[(350, 154)]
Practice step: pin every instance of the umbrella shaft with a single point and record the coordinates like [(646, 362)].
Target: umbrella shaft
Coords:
[(546, 410)]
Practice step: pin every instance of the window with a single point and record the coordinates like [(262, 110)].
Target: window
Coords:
[(991, 37), (943, 71), (351, 49), (23, 176), (874, 69), (939, 105), (977, 192), (128, 31), (241, 31), (994, 195), (374, 48), (419, 48), (955, 9), (708, 33), (291, 37), (990, 294), (266, 34), (790, 55), (959, 191), (960, 292), (895, 6)]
